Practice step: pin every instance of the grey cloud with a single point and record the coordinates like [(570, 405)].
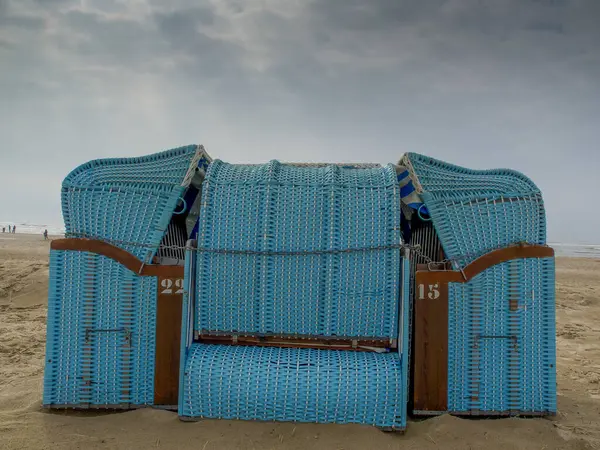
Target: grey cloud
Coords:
[(18, 21), (122, 42), (186, 21), (480, 83), (548, 26), (186, 33), (14, 19), (377, 15), (55, 3)]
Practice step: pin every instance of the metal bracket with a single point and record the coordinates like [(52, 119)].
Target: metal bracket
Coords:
[(127, 332)]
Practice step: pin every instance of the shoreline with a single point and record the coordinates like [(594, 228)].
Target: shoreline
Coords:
[(559, 249)]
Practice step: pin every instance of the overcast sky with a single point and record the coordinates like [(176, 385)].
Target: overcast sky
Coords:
[(484, 84)]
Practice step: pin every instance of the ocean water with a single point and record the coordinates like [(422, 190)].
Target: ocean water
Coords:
[(572, 250), (30, 228), (577, 250)]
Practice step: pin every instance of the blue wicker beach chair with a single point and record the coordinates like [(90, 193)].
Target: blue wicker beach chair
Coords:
[(296, 302), (121, 218), (489, 308), (294, 297)]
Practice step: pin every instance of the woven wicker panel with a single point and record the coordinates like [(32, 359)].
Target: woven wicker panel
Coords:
[(470, 227), (128, 199), (445, 180), (282, 208), (502, 340), (476, 211), (100, 338), (289, 384)]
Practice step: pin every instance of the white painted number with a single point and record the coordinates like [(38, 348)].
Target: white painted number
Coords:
[(179, 285), (167, 286), (433, 291)]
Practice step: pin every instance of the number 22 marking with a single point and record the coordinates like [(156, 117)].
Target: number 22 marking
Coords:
[(167, 286)]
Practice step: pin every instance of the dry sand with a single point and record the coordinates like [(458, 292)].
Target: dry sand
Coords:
[(23, 424)]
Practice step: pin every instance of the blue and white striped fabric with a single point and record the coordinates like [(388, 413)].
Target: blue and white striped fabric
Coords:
[(408, 193)]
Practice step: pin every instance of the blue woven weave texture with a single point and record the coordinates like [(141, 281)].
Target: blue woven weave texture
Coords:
[(100, 332), (502, 352), (275, 207), (291, 384), (126, 199), (476, 211)]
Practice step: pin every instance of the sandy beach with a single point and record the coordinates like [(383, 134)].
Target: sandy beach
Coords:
[(24, 424)]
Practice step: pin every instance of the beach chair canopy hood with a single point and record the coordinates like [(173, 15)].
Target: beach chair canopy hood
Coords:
[(473, 211), (130, 201)]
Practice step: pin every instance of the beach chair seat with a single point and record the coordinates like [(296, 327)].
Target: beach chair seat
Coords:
[(293, 384), (293, 308)]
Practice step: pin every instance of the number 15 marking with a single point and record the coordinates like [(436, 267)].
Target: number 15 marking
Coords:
[(433, 291)]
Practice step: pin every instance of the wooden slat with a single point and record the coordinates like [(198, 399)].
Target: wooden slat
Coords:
[(168, 335), (295, 342), (430, 376), (118, 254)]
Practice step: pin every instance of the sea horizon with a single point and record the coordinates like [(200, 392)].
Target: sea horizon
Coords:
[(561, 248)]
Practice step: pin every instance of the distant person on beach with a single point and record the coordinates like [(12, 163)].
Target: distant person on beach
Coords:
[(9, 228), (14, 228), (45, 235), (3, 229)]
